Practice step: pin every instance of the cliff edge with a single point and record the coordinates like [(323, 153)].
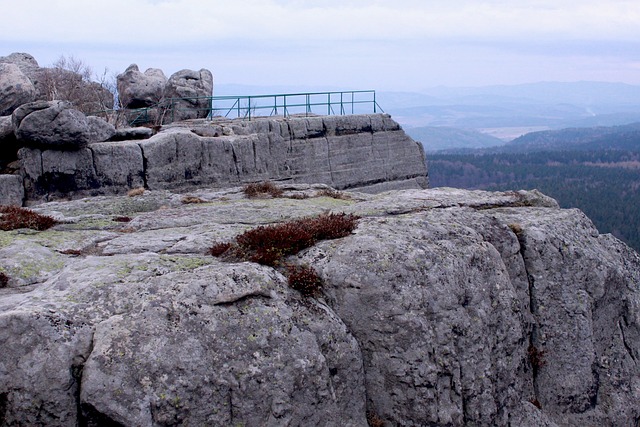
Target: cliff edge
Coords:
[(370, 153), (444, 307)]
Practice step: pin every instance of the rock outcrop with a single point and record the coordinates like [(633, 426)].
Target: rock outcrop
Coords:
[(369, 152), (51, 124), (444, 307), (188, 92), (59, 83), (15, 88), (139, 90)]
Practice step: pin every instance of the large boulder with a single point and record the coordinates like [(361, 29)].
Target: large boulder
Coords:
[(444, 307), (67, 80), (188, 94), (15, 88), (23, 60), (99, 129), (139, 90), (53, 124), (6, 128)]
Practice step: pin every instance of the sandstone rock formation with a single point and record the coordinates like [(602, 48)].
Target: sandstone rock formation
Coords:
[(444, 307), (59, 83), (369, 152), (15, 88), (11, 190), (51, 123), (26, 62), (99, 129), (139, 90), (187, 92)]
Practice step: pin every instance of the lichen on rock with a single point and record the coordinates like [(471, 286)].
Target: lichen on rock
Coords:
[(427, 316)]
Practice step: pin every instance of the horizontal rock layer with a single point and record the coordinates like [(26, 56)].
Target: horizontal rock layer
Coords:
[(445, 307), (368, 152)]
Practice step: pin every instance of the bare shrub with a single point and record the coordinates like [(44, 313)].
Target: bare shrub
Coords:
[(14, 218), (262, 189), (192, 200), (135, 192), (334, 194), (71, 79)]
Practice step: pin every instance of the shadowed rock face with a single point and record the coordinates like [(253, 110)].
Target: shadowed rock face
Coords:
[(430, 314)]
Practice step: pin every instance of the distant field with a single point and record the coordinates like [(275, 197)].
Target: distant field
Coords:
[(510, 133)]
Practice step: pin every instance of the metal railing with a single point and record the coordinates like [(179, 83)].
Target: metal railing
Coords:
[(322, 103), (251, 106)]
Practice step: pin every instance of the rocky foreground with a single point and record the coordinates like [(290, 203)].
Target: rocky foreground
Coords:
[(444, 307)]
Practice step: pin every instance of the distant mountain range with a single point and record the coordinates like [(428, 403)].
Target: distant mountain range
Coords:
[(437, 138), (480, 117)]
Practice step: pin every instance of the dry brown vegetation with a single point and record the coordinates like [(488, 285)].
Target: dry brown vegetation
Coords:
[(262, 189), (14, 217)]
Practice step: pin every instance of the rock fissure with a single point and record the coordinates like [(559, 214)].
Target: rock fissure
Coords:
[(145, 168), (532, 350), (235, 160), (93, 161), (4, 397), (625, 343)]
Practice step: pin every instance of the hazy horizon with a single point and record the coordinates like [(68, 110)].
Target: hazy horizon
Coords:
[(407, 45)]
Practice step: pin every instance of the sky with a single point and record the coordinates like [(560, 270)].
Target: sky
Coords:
[(391, 45)]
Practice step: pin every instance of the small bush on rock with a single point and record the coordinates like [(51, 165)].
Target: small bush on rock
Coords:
[(267, 245), (219, 248), (304, 279), (262, 189), (14, 217), (334, 194), (135, 192), (186, 200)]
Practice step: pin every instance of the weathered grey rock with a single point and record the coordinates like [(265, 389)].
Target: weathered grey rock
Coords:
[(139, 90), (427, 317), (6, 127), (187, 92), (100, 168), (127, 134), (23, 60), (52, 124), (59, 83), (11, 190), (15, 88), (99, 129), (372, 156)]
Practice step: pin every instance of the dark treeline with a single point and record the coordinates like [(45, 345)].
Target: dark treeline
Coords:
[(604, 184)]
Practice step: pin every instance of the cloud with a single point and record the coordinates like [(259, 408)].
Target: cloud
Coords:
[(187, 21)]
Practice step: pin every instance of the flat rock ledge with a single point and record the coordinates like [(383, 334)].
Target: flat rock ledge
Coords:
[(445, 307), (365, 152)]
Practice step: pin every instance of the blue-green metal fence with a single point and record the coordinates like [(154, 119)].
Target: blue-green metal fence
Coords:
[(251, 106), (320, 103)]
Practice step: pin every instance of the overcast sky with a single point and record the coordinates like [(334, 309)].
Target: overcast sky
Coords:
[(349, 44)]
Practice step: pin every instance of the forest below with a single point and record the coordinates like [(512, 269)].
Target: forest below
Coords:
[(603, 183)]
